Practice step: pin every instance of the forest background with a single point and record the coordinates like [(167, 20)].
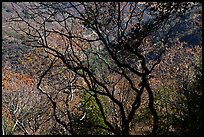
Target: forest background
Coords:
[(86, 68)]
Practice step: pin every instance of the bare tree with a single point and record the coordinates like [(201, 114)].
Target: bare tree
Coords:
[(99, 48)]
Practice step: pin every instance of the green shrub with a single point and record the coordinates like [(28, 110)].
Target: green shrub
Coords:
[(180, 109), (92, 117)]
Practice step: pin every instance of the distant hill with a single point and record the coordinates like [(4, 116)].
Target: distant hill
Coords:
[(188, 30)]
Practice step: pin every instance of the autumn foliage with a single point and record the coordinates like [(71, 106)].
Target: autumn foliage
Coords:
[(89, 68)]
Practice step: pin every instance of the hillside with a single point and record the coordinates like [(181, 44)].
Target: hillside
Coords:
[(89, 68)]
